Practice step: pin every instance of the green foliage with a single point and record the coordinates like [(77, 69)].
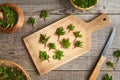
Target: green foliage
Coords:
[(10, 17), (117, 54), (65, 43), (78, 44), (44, 14), (43, 39), (60, 31), (84, 3), (110, 64), (77, 34), (51, 46), (107, 77), (31, 21), (70, 27), (9, 73), (43, 55), (58, 55)]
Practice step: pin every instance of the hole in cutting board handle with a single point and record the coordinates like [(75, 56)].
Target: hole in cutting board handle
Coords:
[(104, 19)]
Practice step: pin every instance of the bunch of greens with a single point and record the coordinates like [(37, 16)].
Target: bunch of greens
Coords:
[(70, 27), (51, 46), (9, 73), (58, 55), (78, 44), (44, 14), (107, 77), (31, 21), (84, 3), (65, 43), (60, 31), (117, 54), (43, 39), (77, 34), (43, 55), (10, 17)]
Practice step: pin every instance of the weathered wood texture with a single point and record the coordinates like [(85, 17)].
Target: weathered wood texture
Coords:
[(12, 47)]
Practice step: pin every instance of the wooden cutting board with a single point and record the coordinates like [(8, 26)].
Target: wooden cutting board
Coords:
[(33, 45)]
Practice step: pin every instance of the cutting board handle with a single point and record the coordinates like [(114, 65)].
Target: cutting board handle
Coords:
[(98, 23)]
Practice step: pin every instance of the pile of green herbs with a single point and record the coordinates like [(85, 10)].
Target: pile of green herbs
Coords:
[(84, 3), (10, 17), (8, 73)]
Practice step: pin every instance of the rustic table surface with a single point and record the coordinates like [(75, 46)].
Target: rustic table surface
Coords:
[(12, 46)]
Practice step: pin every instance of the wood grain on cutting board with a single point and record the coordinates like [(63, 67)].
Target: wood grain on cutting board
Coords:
[(33, 45)]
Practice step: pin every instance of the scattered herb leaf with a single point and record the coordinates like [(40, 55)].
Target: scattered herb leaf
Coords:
[(65, 43), (60, 31), (70, 27), (110, 64), (117, 54), (43, 55), (84, 3), (9, 73), (107, 77), (43, 39), (78, 44), (77, 34), (44, 14), (31, 21), (10, 17), (58, 55), (51, 46)]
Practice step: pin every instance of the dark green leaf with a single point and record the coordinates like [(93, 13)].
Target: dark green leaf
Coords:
[(60, 31), (58, 55), (110, 64), (78, 44), (117, 54), (70, 27), (31, 21), (107, 77), (44, 14), (43, 55), (77, 34), (51, 46), (65, 43)]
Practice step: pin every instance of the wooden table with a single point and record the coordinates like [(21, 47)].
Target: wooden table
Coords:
[(12, 46)]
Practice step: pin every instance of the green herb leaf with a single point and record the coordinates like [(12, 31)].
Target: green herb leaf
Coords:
[(78, 44), (43, 39), (44, 14), (10, 17), (65, 43), (9, 73), (43, 55), (84, 3), (117, 54), (77, 34), (110, 64), (51, 46), (58, 55), (60, 31), (70, 27), (31, 21), (107, 77)]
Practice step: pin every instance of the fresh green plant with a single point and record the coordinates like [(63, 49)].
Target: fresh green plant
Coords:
[(31, 21), (107, 77), (43, 39), (78, 44), (117, 54), (43, 55), (84, 3), (70, 27), (65, 43), (110, 64), (60, 31), (9, 73), (44, 14), (58, 55), (10, 17), (51, 46), (77, 34)]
